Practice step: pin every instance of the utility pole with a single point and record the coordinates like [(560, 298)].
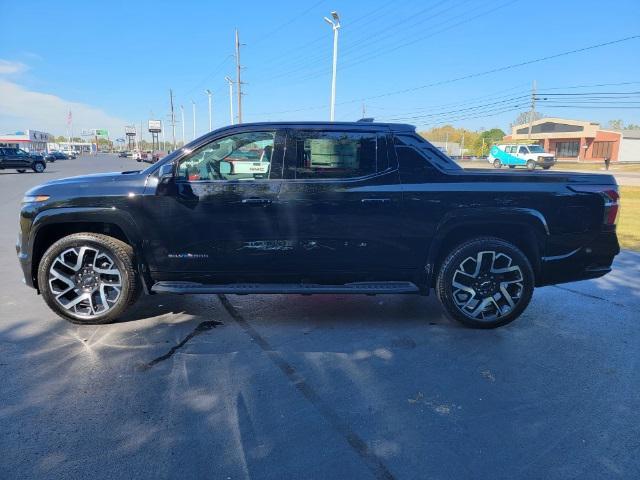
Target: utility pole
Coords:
[(533, 109), (238, 80), (364, 111), (182, 118), (335, 25), (193, 105), (462, 146), (209, 94), (446, 143), (230, 82), (173, 119)]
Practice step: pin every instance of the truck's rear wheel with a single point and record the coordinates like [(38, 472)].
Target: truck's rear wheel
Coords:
[(88, 278), (485, 283)]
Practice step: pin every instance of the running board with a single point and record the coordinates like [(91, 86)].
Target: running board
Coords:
[(368, 288)]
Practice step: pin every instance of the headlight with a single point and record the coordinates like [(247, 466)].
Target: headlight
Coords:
[(34, 198)]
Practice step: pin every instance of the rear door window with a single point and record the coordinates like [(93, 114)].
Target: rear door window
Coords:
[(335, 154)]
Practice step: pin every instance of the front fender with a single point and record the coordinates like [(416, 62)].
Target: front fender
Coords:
[(96, 215)]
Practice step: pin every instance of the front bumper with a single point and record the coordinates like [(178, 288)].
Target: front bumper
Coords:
[(546, 162)]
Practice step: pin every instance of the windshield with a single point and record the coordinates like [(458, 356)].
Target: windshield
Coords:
[(536, 149)]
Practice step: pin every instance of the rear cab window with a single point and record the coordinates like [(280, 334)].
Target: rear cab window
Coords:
[(414, 150)]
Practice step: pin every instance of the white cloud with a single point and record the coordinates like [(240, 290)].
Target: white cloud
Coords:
[(21, 109), (8, 67)]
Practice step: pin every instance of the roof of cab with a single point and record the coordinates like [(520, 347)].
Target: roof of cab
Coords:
[(395, 127)]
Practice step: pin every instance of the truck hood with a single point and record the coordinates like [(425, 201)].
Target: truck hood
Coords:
[(94, 180)]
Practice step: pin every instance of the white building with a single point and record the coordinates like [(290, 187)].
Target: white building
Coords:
[(31, 140)]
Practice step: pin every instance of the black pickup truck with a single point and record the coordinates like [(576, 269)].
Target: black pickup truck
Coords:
[(20, 160), (309, 208)]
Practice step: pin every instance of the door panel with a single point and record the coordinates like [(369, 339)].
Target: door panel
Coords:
[(346, 225), (218, 219)]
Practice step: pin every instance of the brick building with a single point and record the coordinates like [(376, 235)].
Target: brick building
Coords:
[(570, 139)]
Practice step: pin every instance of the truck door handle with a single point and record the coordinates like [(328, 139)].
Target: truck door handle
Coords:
[(256, 201), (375, 200)]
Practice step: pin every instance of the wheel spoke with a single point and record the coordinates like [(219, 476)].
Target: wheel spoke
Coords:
[(484, 262)]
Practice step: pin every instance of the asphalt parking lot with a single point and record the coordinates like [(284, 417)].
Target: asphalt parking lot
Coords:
[(318, 387)]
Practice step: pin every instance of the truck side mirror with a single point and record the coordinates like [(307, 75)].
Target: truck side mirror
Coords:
[(165, 173)]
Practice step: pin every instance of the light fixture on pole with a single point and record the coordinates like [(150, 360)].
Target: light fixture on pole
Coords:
[(209, 94), (335, 25), (193, 105), (182, 118), (230, 82)]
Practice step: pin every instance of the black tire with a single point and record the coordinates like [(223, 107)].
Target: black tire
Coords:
[(531, 165), (39, 167), (462, 305), (512, 166), (497, 163), (547, 168), (21, 170), (121, 256)]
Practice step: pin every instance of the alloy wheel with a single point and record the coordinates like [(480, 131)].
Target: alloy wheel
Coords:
[(487, 286), (85, 281)]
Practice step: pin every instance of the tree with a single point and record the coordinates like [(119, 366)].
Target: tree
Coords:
[(524, 117), (619, 124), (486, 139)]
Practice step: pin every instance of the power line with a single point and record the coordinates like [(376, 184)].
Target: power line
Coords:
[(474, 75)]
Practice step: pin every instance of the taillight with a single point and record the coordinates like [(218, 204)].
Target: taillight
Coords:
[(610, 197)]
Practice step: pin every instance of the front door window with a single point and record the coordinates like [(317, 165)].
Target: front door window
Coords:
[(244, 156)]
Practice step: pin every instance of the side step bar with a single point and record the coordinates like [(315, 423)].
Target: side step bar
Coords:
[(368, 288)]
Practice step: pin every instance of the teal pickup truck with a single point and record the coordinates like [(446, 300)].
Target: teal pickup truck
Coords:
[(513, 155)]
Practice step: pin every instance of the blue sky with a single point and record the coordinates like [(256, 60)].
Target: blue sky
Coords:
[(113, 62)]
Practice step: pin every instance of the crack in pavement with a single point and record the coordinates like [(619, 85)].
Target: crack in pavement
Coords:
[(373, 462), (200, 328), (589, 295)]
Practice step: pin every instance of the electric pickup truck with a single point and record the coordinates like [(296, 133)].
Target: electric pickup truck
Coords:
[(315, 208)]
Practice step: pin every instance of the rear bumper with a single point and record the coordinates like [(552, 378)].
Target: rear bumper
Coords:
[(584, 257)]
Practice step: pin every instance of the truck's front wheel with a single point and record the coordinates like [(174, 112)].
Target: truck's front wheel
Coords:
[(497, 163), (531, 165), (88, 278), (485, 283)]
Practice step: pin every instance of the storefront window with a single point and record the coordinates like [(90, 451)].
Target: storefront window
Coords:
[(567, 149)]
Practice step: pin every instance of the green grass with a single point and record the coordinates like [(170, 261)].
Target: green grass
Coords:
[(629, 221)]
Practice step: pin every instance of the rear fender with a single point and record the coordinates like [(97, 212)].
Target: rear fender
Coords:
[(486, 222)]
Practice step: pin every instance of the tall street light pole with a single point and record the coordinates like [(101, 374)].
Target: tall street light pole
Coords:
[(182, 119), (335, 25), (230, 82), (193, 105), (209, 94)]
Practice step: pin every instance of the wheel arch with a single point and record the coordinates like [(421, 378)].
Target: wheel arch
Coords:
[(525, 228), (52, 225)]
